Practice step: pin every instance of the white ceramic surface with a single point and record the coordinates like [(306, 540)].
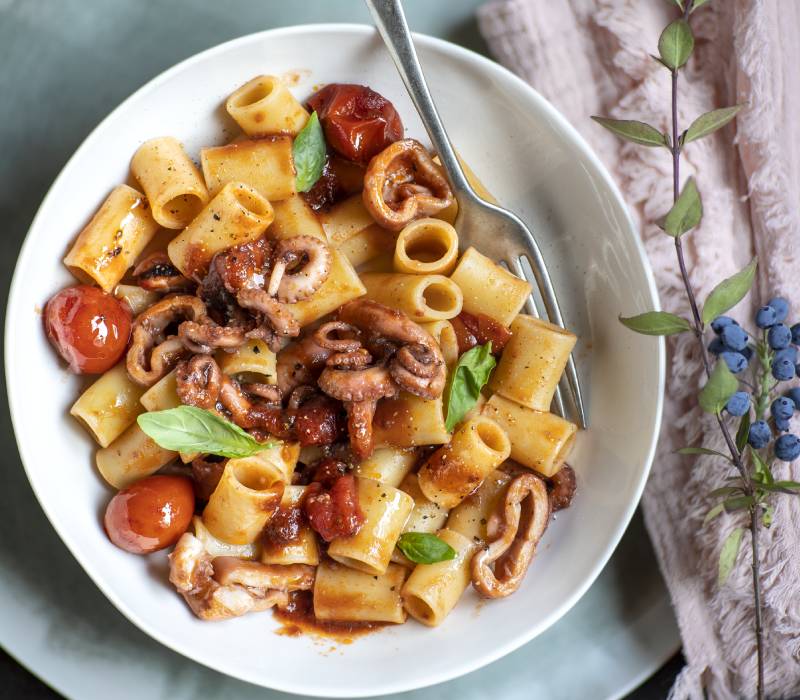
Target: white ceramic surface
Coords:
[(535, 162)]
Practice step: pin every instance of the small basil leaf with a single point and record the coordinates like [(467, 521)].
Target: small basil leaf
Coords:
[(191, 429), (709, 122), (729, 292), (676, 44), (721, 385), (727, 556), (656, 323), (637, 132), (424, 548), (686, 212), (308, 152), (713, 513), (468, 378)]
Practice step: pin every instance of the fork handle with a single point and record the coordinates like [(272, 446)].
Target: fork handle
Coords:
[(391, 23)]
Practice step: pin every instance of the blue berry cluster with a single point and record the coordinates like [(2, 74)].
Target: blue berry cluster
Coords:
[(736, 348)]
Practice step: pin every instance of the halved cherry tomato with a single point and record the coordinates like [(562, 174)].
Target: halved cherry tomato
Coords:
[(151, 514), (89, 328), (358, 122), (478, 329)]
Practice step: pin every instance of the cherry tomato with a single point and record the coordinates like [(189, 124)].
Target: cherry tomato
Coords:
[(358, 122), (151, 514), (89, 328)]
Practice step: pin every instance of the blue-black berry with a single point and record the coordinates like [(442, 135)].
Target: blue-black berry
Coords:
[(766, 316), (794, 395), (737, 362), (787, 447), (734, 337), (796, 333), (781, 307), (716, 346), (789, 353), (781, 425), (739, 403), (782, 408), (782, 369), (759, 435), (779, 336), (720, 322), (748, 353)]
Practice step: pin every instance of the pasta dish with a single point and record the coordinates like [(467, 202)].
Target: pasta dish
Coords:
[(307, 390)]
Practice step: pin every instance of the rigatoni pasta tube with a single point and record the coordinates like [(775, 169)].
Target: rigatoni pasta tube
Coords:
[(163, 394), (108, 245), (389, 465), (367, 245), (132, 456), (469, 518), (532, 362), (171, 181), (345, 219), (266, 165), (445, 336), (426, 247), (218, 548), (342, 285), (421, 297), (253, 361), (135, 298), (454, 471), (488, 288), (109, 405), (409, 421), (295, 217), (264, 106), (432, 590), (385, 511), (304, 549), (237, 214), (243, 501), (425, 517), (539, 440), (275, 464), (342, 593)]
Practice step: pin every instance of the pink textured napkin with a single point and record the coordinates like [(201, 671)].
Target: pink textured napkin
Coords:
[(592, 57)]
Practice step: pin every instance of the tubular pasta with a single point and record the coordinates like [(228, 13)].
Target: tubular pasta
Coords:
[(253, 361), (445, 336), (113, 239), (304, 550), (132, 456), (470, 516), (532, 362), (389, 465), (425, 517), (421, 297), (265, 165), (294, 217), (171, 181), (344, 220), (342, 593), (237, 214), (218, 548), (264, 106), (426, 247), (409, 421), (367, 245), (540, 441), (385, 511), (109, 406), (135, 298)]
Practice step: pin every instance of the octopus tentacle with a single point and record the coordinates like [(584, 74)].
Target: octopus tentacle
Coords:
[(359, 426), (199, 381), (207, 335), (355, 359), (323, 337), (278, 316), (311, 260), (157, 274), (368, 384)]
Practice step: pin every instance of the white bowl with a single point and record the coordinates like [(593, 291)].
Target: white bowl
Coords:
[(535, 163)]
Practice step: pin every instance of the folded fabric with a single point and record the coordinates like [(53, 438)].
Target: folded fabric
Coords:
[(593, 57)]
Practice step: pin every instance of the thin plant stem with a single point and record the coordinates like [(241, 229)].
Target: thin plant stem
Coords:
[(697, 329)]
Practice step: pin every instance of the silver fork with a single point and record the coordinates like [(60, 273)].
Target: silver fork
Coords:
[(512, 241)]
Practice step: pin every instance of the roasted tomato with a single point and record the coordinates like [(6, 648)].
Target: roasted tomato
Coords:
[(479, 329), (89, 328), (333, 513), (358, 122), (151, 514)]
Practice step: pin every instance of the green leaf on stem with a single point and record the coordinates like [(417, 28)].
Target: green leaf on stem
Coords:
[(686, 212), (762, 471), (766, 518), (721, 385), (656, 323), (725, 491), (701, 451), (743, 432), (635, 131), (780, 487), (738, 503), (713, 513), (698, 3), (790, 485), (729, 292), (679, 3), (709, 122), (675, 44), (728, 554)]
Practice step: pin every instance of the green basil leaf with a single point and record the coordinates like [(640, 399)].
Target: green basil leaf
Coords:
[(721, 385), (701, 451), (713, 513), (676, 44), (656, 323), (743, 432), (729, 292), (728, 554), (192, 429), (468, 378), (709, 122), (637, 132), (308, 152), (685, 213), (424, 548)]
